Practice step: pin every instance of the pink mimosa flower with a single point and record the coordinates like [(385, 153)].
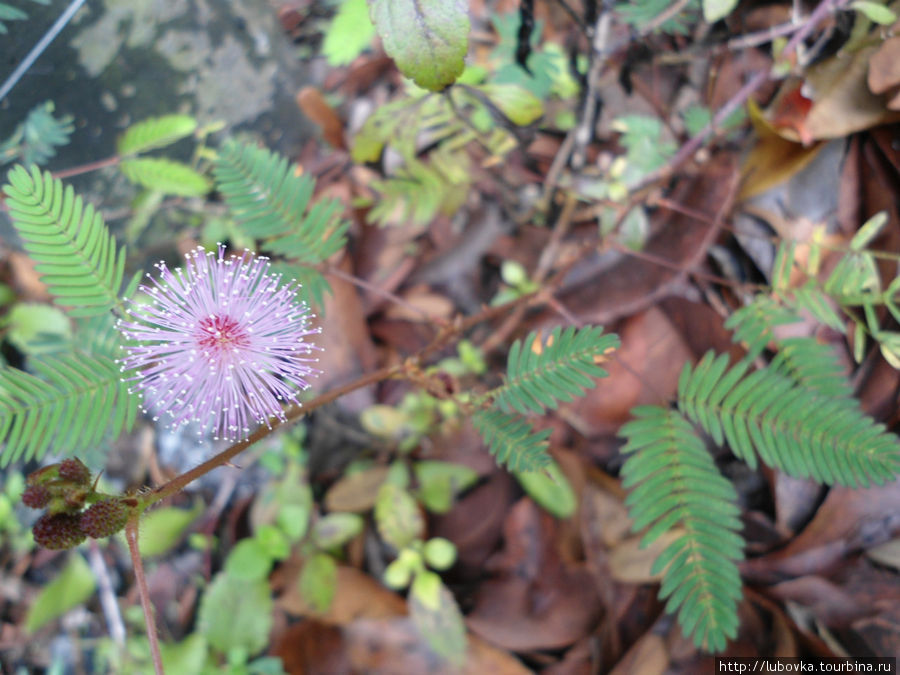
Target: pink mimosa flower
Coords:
[(220, 344)]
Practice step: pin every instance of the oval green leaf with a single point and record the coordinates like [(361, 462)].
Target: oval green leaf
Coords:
[(156, 132), (74, 585), (336, 529), (428, 39), (165, 175), (318, 581), (236, 614), (397, 516), (550, 489), (520, 106)]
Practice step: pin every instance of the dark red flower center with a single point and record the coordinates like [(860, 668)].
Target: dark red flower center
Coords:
[(221, 334)]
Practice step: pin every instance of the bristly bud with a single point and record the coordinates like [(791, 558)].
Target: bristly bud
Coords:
[(74, 470), (36, 496), (58, 531), (43, 475), (106, 517)]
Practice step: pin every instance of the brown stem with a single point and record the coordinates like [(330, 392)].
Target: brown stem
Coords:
[(131, 534), (294, 412), (291, 413), (86, 168)]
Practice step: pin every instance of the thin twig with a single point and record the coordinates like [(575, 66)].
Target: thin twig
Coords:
[(334, 270), (131, 534), (86, 168)]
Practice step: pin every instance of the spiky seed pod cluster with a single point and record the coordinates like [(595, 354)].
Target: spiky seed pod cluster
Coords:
[(63, 490), (107, 517), (58, 531), (59, 488)]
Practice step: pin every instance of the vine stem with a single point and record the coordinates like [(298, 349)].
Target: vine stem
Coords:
[(294, 412), (131, 534)]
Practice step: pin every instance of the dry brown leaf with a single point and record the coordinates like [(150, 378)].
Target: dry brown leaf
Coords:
[(843, 102), (395, 646), (887, 554), (316, 108), (648, 656), (774, 158), (630, 563), (847, 520), (357, 596), (644, 371), (605, 516), (884, 66), (357, 492)]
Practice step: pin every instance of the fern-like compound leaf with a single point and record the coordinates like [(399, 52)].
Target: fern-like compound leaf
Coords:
[(792, 425), (753, 324), (541, 374), (155, 132), (512, 441), (676, 487), (269, 198), (75, 253), (69, 403), (802, 359)]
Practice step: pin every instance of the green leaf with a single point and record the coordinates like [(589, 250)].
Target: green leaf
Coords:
[(427, 39), (187, 656), (875, 12), (674, 486), (35, 140), (511, 440), (318, 581), (165, 175), (397, 516), (436, 616), (439, 553), (807, 426), (874, 225), (161, 529), (70, 402), (236, 614), (248, 561), (350, 32), (38, 329), (439, 483), (520, 106), (75, 254), (713, 10), (73, 586), (273, 541), (155, 132), (270, 199), (336, 529), (550, 489), (541, 374)]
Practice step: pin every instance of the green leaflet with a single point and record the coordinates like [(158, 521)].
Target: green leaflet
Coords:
[(71, 401), (675, 485), (75, 254), (155, 132), (512, 441), (795, 426), (428, 39), (560, 371), (269, 198), (165, 175)]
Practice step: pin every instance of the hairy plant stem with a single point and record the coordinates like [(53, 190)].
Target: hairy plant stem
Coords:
[(131, 534)]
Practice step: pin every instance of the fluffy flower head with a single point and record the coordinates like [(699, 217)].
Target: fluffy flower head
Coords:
[(221, 343)]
